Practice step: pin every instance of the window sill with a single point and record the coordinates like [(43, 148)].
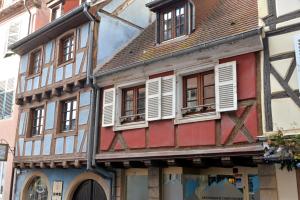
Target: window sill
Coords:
[(65, 134), (197, 118), (177, 39), (132, 125), (31, 76), (66, 63), (33, 138)]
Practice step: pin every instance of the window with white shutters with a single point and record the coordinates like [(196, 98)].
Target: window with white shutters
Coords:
[(108, 111), (297, 52), (6, 98), (160, 98), (13, 34), (153, 99), (226, 87), (168, 97)]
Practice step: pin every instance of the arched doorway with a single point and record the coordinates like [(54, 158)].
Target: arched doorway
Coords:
[(37, 190), (89, 190)]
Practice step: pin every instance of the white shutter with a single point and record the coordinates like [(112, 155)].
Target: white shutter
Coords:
[(226, 87), (168, 85), (108, 111), (13, 34), (153, 99), (297, 52)]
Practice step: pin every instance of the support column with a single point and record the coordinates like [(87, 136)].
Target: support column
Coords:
[(119, 184), (154, 186), (268, 183)]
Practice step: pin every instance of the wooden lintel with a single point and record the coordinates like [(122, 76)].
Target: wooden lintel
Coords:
[(65, 164), (171, 162), (77, 164), (226, 162), (126, 164), (107, 164), (36, 97), (42, 165), (78, 84), (56, 92), (28, 99), (258, 159), (67, 88), (22, 165), (46, 94), (31, 165), (20, 101), (52, 165)]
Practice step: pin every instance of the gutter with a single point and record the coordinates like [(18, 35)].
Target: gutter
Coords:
[(198, 47), (30, 15)]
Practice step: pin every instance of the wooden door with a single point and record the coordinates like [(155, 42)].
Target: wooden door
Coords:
[(89, 190)]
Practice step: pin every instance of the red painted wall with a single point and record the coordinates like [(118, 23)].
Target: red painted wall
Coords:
[(164, 134), (70, 5)]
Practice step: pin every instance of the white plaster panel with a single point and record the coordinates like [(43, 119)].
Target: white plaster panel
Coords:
[(293, 83), (287, 6), (288, 23), (282, 66), (282, 43), (275, 86), (286, 114), (286, 184)]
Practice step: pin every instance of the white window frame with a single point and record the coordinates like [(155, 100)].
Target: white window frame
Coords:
[(194, 69), (118, 108), (5, 96)]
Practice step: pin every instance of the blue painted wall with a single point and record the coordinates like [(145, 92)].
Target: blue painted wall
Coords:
[(66, 175)]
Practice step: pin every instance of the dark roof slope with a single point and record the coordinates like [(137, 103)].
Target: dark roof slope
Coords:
[(215, 19)]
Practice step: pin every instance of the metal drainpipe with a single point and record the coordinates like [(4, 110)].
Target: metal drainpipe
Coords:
[(89, 83), (29, 23), (96, 126), (95, 129)]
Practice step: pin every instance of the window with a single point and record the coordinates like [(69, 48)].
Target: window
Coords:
[(133, 104), (37, 121), (55, 12), (35, 62), (6, 98), (199, 93), (67, 48), (37, 189), (174, 22), (13, 34), (2, 174), (68, 121)]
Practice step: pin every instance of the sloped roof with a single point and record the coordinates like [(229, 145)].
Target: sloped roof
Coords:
[(215, 19)]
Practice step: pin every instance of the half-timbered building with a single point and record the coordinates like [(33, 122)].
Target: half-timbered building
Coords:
[(180, 104), (280, 69), (56, 97)]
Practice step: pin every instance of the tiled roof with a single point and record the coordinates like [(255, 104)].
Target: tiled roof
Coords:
[(214, 19)]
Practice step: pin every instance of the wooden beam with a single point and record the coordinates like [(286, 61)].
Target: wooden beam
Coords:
[(77, 164), (171, 162), (65, 164), (28, 99), (31, 165), (226, 162), (42, 165), (78, 84), (52, 165), (67, 88), (20, 101), (46, 94)]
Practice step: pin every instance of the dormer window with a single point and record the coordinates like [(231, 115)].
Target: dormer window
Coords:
[(55, 12), (174, 20)]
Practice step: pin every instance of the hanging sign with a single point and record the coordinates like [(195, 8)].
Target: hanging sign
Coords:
[(3, 152), (57, 190)]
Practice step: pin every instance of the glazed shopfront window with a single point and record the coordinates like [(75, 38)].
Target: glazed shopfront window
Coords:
[(37, 190)]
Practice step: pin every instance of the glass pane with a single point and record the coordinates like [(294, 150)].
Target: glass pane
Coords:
[(209, 79), (254, 184), (209, 91), (191, 94), (37, 190), (192, 104), (209, 101), (191, 83)]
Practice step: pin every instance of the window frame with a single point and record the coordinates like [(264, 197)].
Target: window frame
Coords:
[(58, 8), (30, 72), (200, 90), (60, 117), (193, 68), (135, 115), (59, 49), (31, 122), (173, 9), (5, 93)]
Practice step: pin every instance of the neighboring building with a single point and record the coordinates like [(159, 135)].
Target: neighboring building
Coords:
[(15, 23), (181, 104), (280, 89), (55, 135)]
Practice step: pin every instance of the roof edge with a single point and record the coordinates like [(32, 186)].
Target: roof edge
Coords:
[(14, 47), (198, 47)]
